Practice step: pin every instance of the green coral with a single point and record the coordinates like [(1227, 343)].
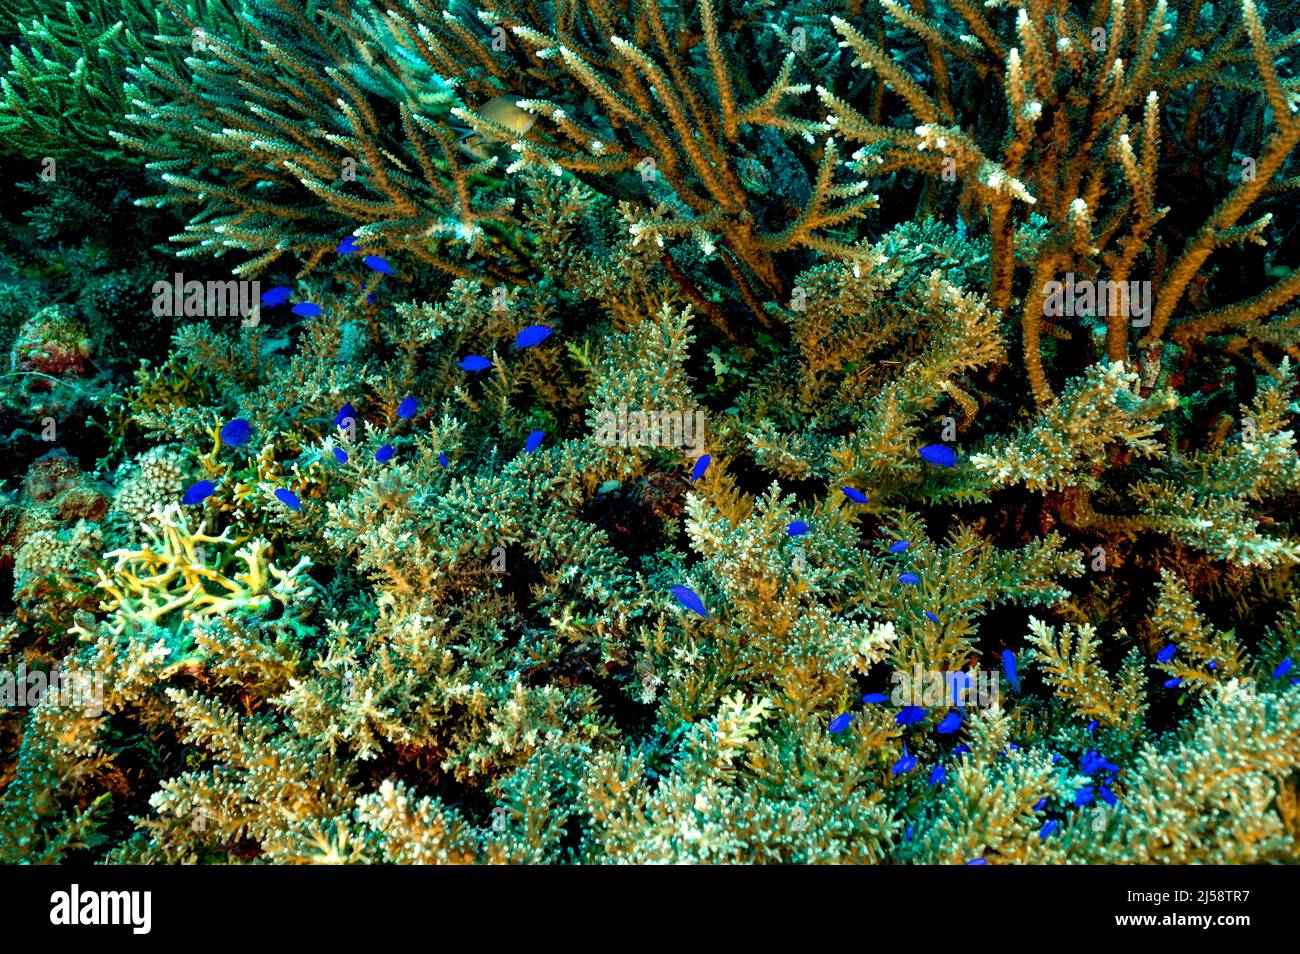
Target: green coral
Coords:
[(436, 609)]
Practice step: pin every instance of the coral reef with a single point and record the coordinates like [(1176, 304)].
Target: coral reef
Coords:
[(607, 432)]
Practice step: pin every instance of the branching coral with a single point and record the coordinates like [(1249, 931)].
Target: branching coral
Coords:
[(1098, 80), (181, 575), (656, 418)]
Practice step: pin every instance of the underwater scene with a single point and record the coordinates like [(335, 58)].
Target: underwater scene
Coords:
[(584, 432)]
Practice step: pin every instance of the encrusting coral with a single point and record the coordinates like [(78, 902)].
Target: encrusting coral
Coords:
[(675, 432)]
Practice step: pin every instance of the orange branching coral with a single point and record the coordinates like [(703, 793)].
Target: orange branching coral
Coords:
[(1077, 160)]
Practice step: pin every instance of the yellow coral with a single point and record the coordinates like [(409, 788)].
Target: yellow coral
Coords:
[(180, 574)]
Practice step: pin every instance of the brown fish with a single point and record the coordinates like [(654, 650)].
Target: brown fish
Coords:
[(502, 111)]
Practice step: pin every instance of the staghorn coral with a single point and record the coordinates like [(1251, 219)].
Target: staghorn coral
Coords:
[(640, 396), (181, 575)]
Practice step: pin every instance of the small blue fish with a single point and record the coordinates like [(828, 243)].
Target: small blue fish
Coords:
[(949, 724), (908, 833), (909, 714), (931, 617), (961, 750), (854, 494), (442, 460), (941, 455), (307, 309), (1040, 804), (1051, 826), (198, 492), (276, 296), (1282, 669), (1173, 683), (872, 698), (978, 861), (1083, 797), (905, 764), (340, 455), (236, 432), (288, 498), (532, 335), (899, 547), (475, 362), (841, 721), (1091, 762), (938, 776), (690, 599), (1107, 796), (378, 264), (1092, 727), (797, 528), (700, 467), (911, 579), (1212, 664), (385, 454), (407, 409), (1167, 653), (348, 247), (534, 441), (345, 414), (1009, 668)]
